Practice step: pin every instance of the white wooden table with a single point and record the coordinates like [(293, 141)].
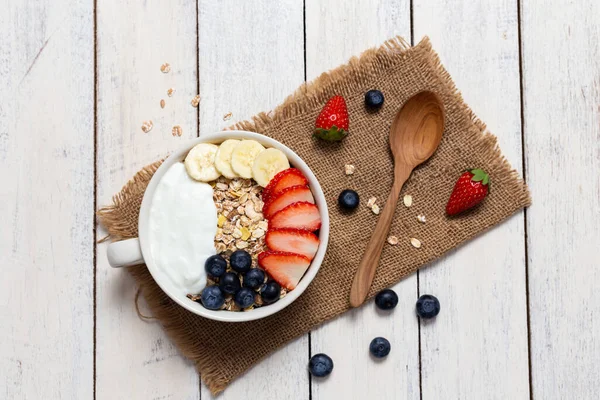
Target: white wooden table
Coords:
[(520, 307)]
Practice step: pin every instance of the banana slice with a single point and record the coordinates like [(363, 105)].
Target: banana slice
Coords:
[(223, 158), (200, 162), (268, 164), (243, 157)]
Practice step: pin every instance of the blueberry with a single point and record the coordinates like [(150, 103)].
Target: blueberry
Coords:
[(244, 297), (320, 365), (212, 297), (374, 99), (230, 283), (240, 261), (215, 266), (254, 278), (428, 306), (348, 199), (270, 292), (386, 299), (380, 347)]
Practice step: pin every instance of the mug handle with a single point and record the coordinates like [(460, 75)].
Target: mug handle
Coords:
[(125, 253)]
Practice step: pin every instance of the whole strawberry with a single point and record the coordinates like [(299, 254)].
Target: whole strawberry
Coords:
[(332, 122), (470, 190)]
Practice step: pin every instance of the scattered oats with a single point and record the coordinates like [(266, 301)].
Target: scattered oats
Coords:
[(393, 240), (349, 169), (222, 186), (177, 131), (227, 116), (408, 200), (193, 297), (375, 209), (415, 242), (147, 126), (221, 220), (237, 233), (165, 68), (196, 100), (245, 233), (371, 202), (421, 219), (220, 247), (264, 225), (258, 233), (170, 92), (241, 210), (162, 103), (241, 244)]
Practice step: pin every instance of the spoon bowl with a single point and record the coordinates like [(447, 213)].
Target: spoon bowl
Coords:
[(415, 134), (417, 129)]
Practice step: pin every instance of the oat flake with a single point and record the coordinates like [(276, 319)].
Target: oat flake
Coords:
[(421, 219), (371, 202), (177, 131), (393, 240), (349, 168), (170, 92), (195, 101), (147, 126), (415, 242), (375, 209), (408, 200), (227, 116), (162, 103), (165, 68)]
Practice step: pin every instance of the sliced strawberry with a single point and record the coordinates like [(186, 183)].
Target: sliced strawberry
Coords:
[(283, 180), (301, 215), (293, 241), (286, 268), (286, 197)]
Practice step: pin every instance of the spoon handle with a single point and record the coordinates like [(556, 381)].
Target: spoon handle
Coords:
[(370, 261)]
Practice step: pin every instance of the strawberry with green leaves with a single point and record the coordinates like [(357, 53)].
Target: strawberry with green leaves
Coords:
[(470, 189), (332, 123)]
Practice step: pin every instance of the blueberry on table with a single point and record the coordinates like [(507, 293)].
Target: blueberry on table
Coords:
[(386, 299), (215, 266), (212, 298), (270, 292), (374, 99), (320, 365), (254, 278), (380, 347), (348, 199), (230, 283), (244, 297), (428, 306), (240, 261)]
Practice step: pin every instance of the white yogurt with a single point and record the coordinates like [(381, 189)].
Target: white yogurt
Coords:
[(183, 224)]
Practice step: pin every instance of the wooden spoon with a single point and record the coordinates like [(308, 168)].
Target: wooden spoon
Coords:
[(415, 134)]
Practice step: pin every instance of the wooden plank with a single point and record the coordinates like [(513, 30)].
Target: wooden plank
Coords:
[(477, 346), (251, 58), (47, 175), (335, 31), (561, 77), (135, 359)]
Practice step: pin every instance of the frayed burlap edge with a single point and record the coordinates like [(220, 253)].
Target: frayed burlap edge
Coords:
[(373, 62)]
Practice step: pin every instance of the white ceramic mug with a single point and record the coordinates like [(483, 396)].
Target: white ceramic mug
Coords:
[(137, 250)]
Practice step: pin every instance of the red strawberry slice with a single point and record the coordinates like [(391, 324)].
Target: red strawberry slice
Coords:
[(286, 268), (286, 197), (293, 241), (301, 215), (283, 180)]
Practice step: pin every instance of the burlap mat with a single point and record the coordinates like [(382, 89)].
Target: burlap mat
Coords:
[(399, 72)]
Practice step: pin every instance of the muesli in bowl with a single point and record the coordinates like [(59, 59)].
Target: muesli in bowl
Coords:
[(266, 228)]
